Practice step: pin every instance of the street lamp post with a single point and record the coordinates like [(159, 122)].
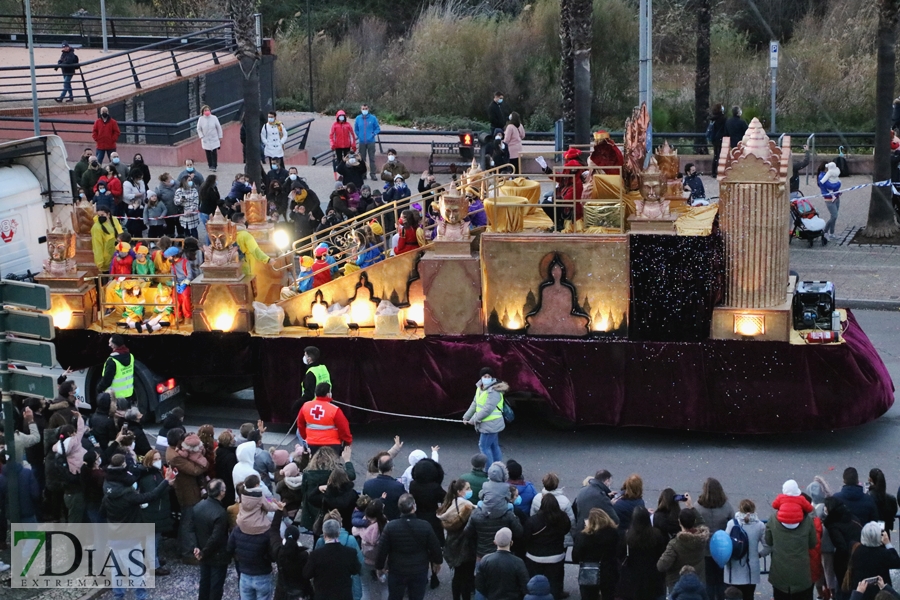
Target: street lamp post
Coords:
[(29, 30)]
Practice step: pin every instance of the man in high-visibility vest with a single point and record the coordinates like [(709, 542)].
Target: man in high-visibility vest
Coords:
[(118, 372), (315, 374), (321, 423), (486, 414)]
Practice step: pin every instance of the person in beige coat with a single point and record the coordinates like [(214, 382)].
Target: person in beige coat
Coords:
[(513, 136), (209, 130)]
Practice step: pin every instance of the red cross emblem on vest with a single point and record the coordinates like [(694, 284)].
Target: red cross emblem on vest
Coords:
[(317, 412)]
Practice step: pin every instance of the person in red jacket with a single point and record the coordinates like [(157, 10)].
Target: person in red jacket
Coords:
[(410, 237), (321, 423), (106, 134), (321, 268), (342, 138), (792, 507)]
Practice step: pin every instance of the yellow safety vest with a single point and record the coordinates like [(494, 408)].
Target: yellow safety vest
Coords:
[(123, 379), (321, 374), (481, 400)]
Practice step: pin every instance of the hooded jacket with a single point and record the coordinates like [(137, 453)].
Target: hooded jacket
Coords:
[(564, 503), (226, 460), (539, 588), (106, 133), (689, 587), (187, 485), (342, 135), (253, 514), (158, 512), (103, 241), (246, 454), (790, 572), (428, 475), (103, 428), (493, 400), (497, 485), (686, 548)]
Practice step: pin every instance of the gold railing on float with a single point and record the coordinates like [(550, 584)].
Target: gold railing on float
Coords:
[(103, 280)]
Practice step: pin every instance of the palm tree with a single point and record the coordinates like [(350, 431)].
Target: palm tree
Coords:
[(701, 82), (567, 69), (581, 13), (880, 223), (243, 13)]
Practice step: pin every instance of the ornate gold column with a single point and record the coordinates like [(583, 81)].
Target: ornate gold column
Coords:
[(754, 214)]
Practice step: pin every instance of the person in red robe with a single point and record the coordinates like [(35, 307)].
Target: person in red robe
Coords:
[(606, 153), (122, 260), (320, 268)]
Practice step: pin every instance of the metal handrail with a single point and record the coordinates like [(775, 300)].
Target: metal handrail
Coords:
[(302, 128), (104, 279), (119, 70)]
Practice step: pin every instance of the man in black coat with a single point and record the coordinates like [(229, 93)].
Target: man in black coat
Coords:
[(735, 126), (502, 575), (121, 502), (595, 494), (408, 545), (495, 113), (331, 567), (209, 529), (385, 484), (857, 501), (68, 62)]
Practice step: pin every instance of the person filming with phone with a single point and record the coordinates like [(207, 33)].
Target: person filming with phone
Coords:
[(871, 562)]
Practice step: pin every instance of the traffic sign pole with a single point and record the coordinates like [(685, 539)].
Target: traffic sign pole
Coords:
[(774, 51), (29, 325)]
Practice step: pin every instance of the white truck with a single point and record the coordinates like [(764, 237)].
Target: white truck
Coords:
[(36, 189)]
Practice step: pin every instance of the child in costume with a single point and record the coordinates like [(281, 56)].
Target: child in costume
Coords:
[(134, 310), (159, 260), (304, 282), (329, 259), (321, 267), (122, 260), (162, 311), (142, 266), (183, 275)]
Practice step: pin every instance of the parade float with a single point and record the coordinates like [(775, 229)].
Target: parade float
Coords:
[(594, 287)]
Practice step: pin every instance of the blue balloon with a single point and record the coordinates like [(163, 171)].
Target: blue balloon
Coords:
[(720, 547)]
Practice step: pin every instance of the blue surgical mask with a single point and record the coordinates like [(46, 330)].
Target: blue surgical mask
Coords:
[(190, 169), (365, 112), (101, 190), (274, 166), (486, 381), (517, 501), (468, 495), (271, 119), (190, 183), (116, 160), (500, 101), (293, 177)]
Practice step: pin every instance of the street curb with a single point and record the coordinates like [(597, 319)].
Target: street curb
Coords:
[(858, 304)]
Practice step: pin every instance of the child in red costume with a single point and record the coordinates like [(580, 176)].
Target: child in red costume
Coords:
[(122, 260), (321, 269)]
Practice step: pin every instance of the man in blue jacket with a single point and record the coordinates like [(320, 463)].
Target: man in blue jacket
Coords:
[(367, 129), (856, 499)]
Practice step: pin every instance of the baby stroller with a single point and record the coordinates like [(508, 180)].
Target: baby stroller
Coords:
[(806, 223)]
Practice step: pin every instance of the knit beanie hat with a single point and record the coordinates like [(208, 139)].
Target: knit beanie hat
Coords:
[(280, 458), (790, 488), (290, 470)]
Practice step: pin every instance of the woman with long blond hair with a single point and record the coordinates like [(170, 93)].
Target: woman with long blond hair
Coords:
[(597, 544), (316, 475)]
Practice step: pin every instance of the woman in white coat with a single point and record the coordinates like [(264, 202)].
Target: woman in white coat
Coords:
[(551, 486), (209, 130), (744, 573)]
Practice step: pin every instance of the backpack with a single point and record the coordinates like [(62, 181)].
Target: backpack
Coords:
[(508, 414), (369, 541), (56, 471), (740, 543)]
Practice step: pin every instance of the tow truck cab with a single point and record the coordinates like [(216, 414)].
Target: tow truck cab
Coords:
[(37, 188)]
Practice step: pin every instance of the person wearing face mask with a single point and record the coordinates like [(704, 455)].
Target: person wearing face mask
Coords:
[(410, 237), (165, 191), (90, 177), (134, 192), (190, 171), (735, 126), (83, 163), (105, 134), (188, 198), (367, 128), (453, 514), (159, 511), (342, 139), (495, 113), (316, 373), (496, 153), (104, 232), (103, 198), (352, 170), (276, 173), (393, 167), (138, 163), (209, 130), (486, 414), (274, 137), (133, 418), (513, 136), (209, 529)]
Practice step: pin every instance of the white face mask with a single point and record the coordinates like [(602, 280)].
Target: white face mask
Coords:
[(134, 485), (131, 446), (486, 381), (391, 158), (341, 119), (157, 464), (306, 360), (293, 177), (498, 138)]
